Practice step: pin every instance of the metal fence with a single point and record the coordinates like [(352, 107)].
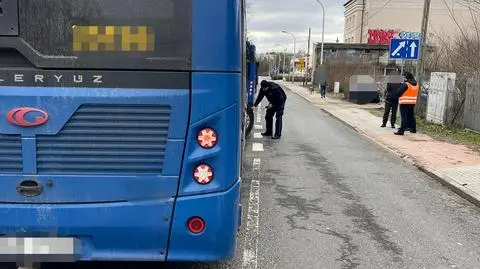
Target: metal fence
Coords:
[(471, 111)]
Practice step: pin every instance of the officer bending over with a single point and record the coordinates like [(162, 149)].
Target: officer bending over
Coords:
[(276, 97)]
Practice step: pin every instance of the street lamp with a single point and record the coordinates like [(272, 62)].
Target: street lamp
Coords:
[(294, 48), (279, 59), (323, 30), (294, 42)]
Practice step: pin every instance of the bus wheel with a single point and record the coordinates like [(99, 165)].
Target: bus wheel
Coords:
[(210, 265), (249, 120)]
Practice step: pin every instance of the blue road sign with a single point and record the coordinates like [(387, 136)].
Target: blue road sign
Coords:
[(406, 49)]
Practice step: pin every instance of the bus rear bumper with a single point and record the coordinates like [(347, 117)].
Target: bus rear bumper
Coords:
[(221, 213), (126, 231), (130, 231)]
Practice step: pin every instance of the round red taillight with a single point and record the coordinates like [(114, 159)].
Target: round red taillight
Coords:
[(203, 174), (196, 225), (207, 138)]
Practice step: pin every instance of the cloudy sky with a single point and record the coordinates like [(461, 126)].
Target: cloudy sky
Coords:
[(267, 18)]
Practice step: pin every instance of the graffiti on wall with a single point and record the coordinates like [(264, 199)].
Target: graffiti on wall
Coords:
[(382, 36)]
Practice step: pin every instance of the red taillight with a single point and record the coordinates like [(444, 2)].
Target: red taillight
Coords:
[(203, 174), (196, 225), (207, 138)]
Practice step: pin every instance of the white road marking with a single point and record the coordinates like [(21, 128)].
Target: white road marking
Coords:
[(256, 164), (259, 117), (257, 147), (250, 253)]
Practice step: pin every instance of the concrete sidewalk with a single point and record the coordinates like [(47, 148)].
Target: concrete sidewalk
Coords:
[(456, 166)]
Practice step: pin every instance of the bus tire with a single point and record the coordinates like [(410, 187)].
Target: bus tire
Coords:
[(210, 265), (249, 121)]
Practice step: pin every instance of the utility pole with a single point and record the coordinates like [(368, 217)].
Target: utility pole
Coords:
[(275, 61), (423, 38), (363, 17), (314, 61), (270, 64), (308, 58), (279, 66)]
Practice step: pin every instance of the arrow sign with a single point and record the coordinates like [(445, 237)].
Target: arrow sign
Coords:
[(413, 46), (406, 49), (399, 47)]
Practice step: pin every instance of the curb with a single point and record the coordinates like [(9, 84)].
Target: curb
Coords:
[(465, 194), (407, 159)]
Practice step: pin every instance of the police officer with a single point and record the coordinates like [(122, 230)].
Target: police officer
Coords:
[(391, 103), (407, 98), (276, 97)]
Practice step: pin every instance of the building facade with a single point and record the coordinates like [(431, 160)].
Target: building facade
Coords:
[(339, 57), (378, 21)]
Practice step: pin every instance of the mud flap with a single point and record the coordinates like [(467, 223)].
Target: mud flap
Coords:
[(239, 216)]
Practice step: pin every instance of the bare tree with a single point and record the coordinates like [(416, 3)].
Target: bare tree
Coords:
[(459, 54)]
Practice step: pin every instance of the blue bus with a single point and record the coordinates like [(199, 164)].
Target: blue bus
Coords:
[(252, 83), (120, 129)]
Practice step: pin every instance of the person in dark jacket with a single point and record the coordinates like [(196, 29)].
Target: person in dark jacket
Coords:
[(407, 96), (323, 89), (391, 103), (276, 97)]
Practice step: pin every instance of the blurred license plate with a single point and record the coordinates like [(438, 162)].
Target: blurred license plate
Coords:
[(39, 249)]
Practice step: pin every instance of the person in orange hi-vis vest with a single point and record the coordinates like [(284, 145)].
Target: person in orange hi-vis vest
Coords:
[(407, 98)]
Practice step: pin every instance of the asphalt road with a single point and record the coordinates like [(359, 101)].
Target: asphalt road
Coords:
[(325, 197), (330, 198)]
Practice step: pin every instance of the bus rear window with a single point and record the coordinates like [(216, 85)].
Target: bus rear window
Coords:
[(110, 34)]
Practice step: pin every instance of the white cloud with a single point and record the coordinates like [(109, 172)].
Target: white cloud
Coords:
[(266, 19)]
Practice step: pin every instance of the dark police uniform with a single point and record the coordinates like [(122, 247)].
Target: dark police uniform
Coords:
[(276, 97), (391, 103)]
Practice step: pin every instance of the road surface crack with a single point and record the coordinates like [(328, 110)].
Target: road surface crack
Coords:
[(348, 249), (361, 216)]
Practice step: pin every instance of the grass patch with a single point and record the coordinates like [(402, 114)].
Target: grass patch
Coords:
[(336, 95), (449, 134), (376, 111), (316, 89), (439, 132)]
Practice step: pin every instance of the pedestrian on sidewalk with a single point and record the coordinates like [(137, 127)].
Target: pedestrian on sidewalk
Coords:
[(407, 96), (276, 97), (323, 89), (391, 103)]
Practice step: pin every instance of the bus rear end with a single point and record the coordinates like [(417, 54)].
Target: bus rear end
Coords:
[(120, 129)]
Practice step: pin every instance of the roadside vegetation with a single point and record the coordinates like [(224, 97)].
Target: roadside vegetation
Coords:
[(452, 135)]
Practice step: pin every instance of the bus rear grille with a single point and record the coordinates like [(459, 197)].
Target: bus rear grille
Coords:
[(10, 154), (107, 139)]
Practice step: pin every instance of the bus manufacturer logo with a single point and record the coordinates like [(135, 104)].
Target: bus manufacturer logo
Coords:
[(18, 116)]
